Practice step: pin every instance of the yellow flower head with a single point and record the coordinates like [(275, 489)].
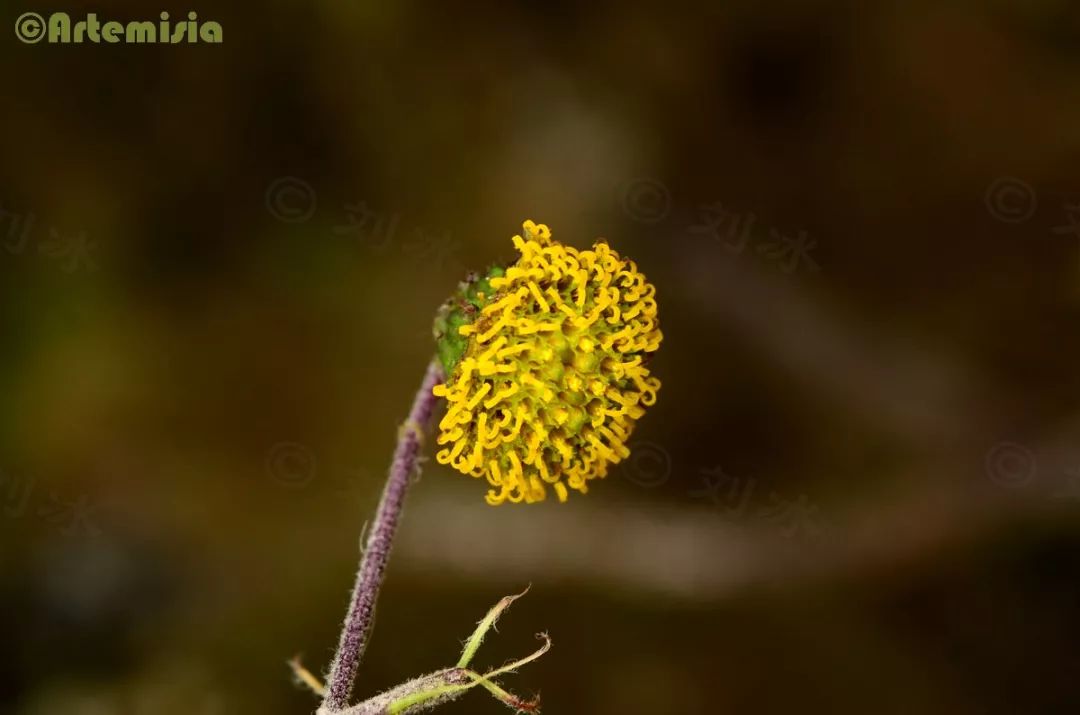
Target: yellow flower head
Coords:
[(546, 363)]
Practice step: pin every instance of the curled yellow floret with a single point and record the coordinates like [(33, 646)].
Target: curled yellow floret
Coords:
[(554, 374)]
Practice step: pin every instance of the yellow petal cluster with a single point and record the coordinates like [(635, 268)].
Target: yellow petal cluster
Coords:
[(554, 375)]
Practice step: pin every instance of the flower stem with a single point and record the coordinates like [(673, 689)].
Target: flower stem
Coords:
[(360, 616)]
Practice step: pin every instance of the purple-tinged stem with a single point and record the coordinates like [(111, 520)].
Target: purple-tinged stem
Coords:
[(359, 619)]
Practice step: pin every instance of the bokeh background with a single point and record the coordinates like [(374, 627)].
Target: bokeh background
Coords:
[(859, 491)]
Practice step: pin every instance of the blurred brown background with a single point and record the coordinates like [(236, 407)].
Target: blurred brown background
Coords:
[(860, 487)]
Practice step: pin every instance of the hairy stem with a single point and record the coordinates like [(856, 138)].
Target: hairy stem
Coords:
[(360, 616)]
